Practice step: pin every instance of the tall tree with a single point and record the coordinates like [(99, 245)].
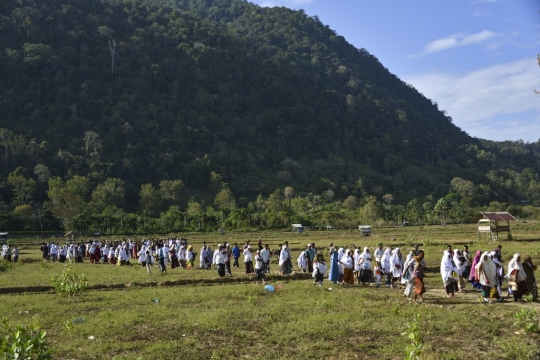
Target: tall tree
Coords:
[(23, 188)]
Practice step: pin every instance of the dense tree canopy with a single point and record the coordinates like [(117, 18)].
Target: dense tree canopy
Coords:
[(121, 112)]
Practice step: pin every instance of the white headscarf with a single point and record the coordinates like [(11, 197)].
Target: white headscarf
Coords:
[(447, 266), (364, 259), (356, 258), (409, 256), (385, 260), (396, 263), (488, 274), (341, 252), (459, 266), (515, 264)]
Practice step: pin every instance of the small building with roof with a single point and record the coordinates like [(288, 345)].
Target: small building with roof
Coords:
[(298, 228), (494, 223)]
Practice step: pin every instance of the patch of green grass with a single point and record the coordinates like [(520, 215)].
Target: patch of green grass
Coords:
[(212, 320)]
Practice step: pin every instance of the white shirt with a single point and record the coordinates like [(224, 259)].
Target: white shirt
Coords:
[(259, 262), (218, 258), (265, 254), (378, 254), (247, 255)]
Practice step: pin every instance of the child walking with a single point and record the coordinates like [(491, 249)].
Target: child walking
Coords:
[(319, 269), (148, 260)]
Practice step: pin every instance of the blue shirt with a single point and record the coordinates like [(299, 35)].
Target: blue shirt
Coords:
[(236, 251)]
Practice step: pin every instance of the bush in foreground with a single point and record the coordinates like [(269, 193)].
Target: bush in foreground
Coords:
[(23, 342)]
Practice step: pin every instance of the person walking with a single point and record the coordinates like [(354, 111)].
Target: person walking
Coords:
[(517, 278), (348, 268), (447, 270), (161, 256), (265, 254), (418, 275), (236, 255), (218, 259), (248, 260), (285, 259), (259, 267), (149, 261), (319, 268)]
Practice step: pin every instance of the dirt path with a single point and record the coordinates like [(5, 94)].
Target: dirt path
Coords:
[(470, 296), (433, 296)]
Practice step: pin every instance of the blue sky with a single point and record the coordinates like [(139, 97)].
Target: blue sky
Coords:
[(475, 58)]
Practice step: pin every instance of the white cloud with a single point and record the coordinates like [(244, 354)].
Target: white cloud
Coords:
[(479, 99), (516, 127), (286, 3), (457, 40)]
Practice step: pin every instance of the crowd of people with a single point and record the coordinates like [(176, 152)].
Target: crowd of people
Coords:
[(9, 253), (484, 272), (349, 266)]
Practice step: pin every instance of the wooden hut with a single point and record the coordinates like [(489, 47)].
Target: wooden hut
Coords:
[(494, 223)]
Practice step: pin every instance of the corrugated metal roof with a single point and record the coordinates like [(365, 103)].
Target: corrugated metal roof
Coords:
[(498, 216)]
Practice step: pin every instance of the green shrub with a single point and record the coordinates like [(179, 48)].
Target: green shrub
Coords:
[(416, 349), (23, 342), (69, 282), (527, 320)]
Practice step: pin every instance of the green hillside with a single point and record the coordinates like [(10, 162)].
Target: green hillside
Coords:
[(169, 100)]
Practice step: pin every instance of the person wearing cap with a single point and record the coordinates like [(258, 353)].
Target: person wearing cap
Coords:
[(259, 267), (310, 256), (218, 259), (248, 260), (265, 254)]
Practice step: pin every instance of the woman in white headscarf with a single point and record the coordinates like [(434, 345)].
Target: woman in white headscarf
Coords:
[(486, 275), (356, 263), (499, 272), (364, 264), (447, 269), (301, 261), (407, 274), (517, 278), (348, 266), (396, 266), (385, 266)]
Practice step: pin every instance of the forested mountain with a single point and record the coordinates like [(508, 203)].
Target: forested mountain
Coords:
[(139, 105)]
